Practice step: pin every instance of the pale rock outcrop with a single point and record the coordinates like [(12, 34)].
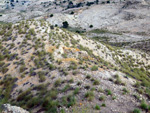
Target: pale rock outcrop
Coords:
[(7, 108)]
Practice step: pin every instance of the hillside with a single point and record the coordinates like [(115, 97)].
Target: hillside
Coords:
[(125, 22), (47, 69)]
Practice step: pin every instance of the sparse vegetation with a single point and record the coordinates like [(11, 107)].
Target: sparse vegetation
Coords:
[(89, 95), (57, 69), (144, 105)]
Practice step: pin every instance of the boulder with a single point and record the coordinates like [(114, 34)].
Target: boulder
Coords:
[(7, 108)]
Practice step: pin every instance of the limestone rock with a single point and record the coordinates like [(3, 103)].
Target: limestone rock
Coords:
[(7, 108)]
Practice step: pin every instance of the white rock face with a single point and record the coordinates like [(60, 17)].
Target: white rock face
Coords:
[(147, 1), (7, 108)]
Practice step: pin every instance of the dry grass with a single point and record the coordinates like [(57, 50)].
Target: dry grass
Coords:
[(69, 60)]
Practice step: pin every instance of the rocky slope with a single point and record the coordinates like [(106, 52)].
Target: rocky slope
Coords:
[(127, 22), (47, 69), (129, 18)]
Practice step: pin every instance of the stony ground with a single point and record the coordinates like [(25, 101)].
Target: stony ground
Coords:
[(45, 67)]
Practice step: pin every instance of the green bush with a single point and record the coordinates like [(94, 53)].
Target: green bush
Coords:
[(32, 32), (88, 76), (62, 111), (114, 97), (102, 98), (125, 91), (97, 107), (23, 95), (89, 95), (1, 57), (42, 78), (64, 55), (6, 90), (137, 84), (136, 111), (140, 90), (108, 92), (53, 94), (118, 81), (74, 72), (73, 66), (22, 69), (71, 80), (76, 91), (33, 102), (71, 100), (51, 66), (4, 70), (94, 68), (96, 82), (67, 87), (103, 105), (99, 31), (57, 83), (51, 106), (100, 90), (144, 106)]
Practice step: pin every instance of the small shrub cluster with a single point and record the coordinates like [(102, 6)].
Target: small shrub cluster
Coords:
[(94, 68)]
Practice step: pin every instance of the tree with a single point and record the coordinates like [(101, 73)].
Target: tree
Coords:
[(91, 26), (51, 15), (65, 24), (97, 1), (72, 13), (108, 2), (70, 4)]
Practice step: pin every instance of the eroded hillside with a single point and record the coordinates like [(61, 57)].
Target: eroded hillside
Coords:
[(47, 69)]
